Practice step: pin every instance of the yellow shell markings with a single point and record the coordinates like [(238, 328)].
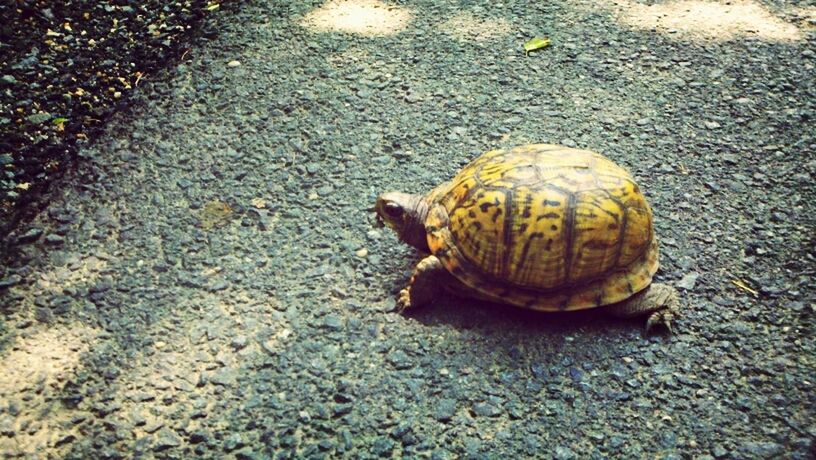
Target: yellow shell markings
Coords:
[(545, 227)]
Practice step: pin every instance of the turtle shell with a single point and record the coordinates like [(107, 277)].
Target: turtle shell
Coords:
[(544, 227)]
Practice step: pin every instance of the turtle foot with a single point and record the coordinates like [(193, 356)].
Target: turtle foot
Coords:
[(661, 317), (424, 285), (659, 301), (404, 299)]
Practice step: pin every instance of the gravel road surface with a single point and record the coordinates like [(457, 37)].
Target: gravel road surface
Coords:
[(210, 284)]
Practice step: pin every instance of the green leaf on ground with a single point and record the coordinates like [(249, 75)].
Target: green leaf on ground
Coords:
[(536, 44)]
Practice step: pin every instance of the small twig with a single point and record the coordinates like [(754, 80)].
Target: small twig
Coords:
[(741, 284), (736, 281)]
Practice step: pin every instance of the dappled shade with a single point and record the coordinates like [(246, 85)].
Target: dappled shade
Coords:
[(42, 359), (709, 20), (363, 17)]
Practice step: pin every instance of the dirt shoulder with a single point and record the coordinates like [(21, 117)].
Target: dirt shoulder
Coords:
[(65, 67)]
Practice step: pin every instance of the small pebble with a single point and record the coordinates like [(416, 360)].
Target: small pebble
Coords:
[(444, 410), (54, 239), (10, 281), (688, 281)]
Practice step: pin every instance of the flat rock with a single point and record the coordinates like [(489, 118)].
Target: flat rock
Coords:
[(166, 439), (688, 281), (10, 281)]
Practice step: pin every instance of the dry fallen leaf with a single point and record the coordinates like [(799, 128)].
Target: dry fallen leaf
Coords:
[(215, 213)]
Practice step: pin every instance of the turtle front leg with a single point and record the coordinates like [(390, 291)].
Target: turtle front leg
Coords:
[(660, 301), (427, 282)]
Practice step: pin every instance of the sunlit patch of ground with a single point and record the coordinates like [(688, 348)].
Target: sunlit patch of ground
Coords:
[(36, 365), (708, 20), (467, 27), (363, 17), (806, 15)]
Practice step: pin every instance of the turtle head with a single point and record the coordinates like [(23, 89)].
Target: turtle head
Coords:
[(405, 214)]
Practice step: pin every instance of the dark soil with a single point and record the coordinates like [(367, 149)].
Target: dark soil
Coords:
[(65, 67), (209, 283)]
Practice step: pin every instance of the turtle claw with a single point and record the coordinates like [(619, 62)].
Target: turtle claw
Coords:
[(404, 300), (663, 317), (424, 285)]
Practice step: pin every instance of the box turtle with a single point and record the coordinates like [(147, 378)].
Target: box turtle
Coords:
[(539, 226)]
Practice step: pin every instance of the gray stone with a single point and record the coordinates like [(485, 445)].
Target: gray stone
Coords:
[(10, 281), (218, 285), (248, 453), (342, 409), (54, 239), (444, 410), (239, 342), (382, 447), (44, 315), (153, 426), (7, 426), (224, 377), (332, 322), (760, 450), (31, 235), (38, 118), (400, 360), (688, 281), (234, 441), (166, 439), (564, 453), (486, 409), (719, 451)]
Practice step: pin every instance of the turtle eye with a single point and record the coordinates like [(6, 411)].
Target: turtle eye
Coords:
[(393, 210)]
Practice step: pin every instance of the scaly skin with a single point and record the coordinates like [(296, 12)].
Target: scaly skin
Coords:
[(660, 301), (427, 283)]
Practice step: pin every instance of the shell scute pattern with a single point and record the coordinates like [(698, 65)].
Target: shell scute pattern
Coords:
[(537, 251), (544, 227)]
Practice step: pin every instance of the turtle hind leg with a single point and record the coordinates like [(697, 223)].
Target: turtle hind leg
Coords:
[(660, 301), (428, 282)]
